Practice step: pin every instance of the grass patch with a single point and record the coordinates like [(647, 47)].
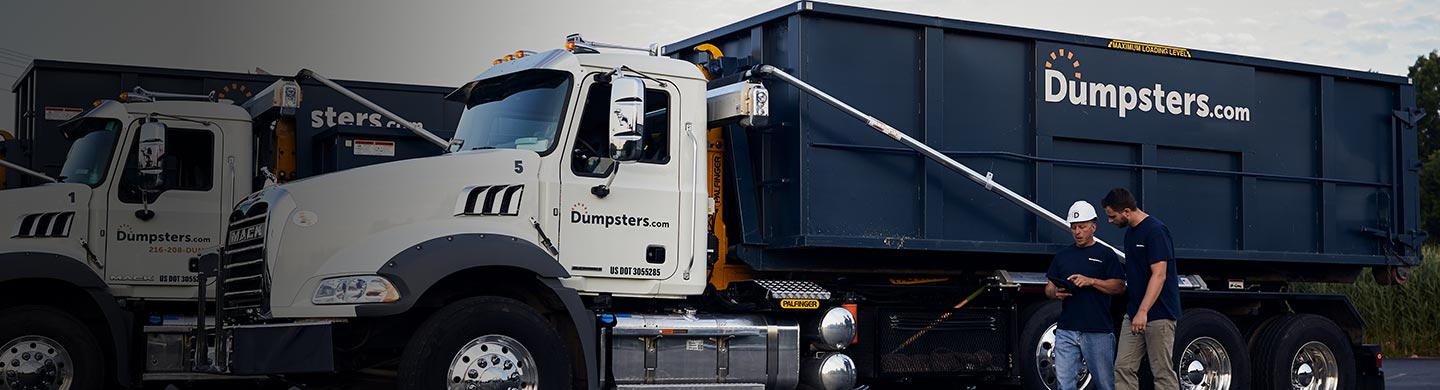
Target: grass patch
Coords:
[(1402, 319)]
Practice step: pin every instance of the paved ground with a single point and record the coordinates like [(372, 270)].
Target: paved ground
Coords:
[(1412, 374), (1400, 374)]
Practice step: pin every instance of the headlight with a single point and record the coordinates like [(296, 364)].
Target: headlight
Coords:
[(355, 289)]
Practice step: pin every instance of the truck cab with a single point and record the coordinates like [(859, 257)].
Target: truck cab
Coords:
[(148, 183), (107, 230), (575, 186), (531, 161)]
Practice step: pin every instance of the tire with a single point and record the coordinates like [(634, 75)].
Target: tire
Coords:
[(435, 347), (1215, 347), (1278, 353), (71, 354), (1035, 323)]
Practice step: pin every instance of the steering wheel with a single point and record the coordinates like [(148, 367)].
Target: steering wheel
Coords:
[(594, 152)]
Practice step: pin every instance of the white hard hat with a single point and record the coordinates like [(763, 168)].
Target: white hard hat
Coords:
[(1081, 211)]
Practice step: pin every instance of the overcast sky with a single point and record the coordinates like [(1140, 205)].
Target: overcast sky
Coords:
[(445, 42)]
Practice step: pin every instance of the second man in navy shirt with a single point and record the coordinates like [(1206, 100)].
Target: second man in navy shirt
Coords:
[(1153, 304)]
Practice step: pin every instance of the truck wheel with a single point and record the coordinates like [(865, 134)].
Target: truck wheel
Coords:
[(45, 348), (1037, 347), (485, 342), (1210, 353), (1304, 352)]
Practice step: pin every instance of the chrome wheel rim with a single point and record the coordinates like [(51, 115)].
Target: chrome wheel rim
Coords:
[(1045, 361), (1204, 365), (495, 362), (35, 363), (1314, 368)]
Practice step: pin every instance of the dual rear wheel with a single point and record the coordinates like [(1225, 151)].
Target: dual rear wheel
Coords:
[(1296, 352)]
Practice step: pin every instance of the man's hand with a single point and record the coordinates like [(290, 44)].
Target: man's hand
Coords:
[(1055, 292), (1082, 280), (1137, 323)]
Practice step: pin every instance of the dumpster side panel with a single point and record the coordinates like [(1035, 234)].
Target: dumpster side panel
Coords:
[(1247, 159)]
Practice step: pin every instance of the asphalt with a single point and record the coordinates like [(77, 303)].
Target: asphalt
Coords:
[(1412, 374), (1400, 374)]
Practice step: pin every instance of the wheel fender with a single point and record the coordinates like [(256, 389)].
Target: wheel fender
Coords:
[(50, 266), (419, 267)]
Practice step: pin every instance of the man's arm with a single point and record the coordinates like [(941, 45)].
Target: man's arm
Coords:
[(1110, 286), (1156, 283)]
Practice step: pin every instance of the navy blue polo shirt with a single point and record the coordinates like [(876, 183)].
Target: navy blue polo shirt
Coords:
[(1088, 310), (1145, 244)]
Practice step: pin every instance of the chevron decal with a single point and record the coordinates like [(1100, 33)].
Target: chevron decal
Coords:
[(44, 225), (501, 200)]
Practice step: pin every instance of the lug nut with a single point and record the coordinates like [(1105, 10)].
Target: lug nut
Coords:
[(494, 360), (473, 374), (482, 363), (25, 356), (509, 365)]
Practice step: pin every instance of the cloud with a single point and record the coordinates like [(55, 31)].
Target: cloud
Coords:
[(1367, 45), (1329, 17)]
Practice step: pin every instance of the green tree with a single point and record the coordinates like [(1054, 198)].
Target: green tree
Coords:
[(1429, 201), (1426, 75)]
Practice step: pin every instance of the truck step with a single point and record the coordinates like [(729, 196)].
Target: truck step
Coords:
[(698, 386), (793, 289)]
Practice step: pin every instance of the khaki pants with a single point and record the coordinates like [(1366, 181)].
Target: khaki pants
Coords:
[(1159, 341)]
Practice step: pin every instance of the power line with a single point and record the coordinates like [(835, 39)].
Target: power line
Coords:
[(15, 56), (17, 52), (19, 63), (14, 62)]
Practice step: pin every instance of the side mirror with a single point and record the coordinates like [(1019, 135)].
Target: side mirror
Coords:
[(152, 150), (627, 119)]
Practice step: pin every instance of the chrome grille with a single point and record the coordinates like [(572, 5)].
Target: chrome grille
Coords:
[(243, 277)]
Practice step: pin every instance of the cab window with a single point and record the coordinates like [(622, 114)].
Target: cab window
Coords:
[(188, 162), (590, 155)]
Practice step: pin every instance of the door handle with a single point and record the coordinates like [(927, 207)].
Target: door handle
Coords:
[(655, 254)]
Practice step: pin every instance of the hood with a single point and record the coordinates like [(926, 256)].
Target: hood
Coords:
[(353, 221), (50, 218)]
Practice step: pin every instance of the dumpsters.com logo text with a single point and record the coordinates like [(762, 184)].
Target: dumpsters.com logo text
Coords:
[(1062, 87), (127, 233), (580, 214)]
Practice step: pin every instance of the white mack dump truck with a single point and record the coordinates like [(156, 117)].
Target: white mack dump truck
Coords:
[(576, 235), (94, 268)]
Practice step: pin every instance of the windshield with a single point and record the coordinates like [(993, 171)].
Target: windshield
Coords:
[(89, 156), (518, 111)]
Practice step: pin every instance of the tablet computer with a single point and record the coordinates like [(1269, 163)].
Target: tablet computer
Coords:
[(1060, 283)]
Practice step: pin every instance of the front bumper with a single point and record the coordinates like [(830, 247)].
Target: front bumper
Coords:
[(268, 349)]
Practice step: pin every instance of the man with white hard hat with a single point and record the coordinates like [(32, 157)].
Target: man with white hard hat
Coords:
[(1084, 276)]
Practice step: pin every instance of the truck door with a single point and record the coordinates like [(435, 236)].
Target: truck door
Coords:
[(632, 232), (186, 208)]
